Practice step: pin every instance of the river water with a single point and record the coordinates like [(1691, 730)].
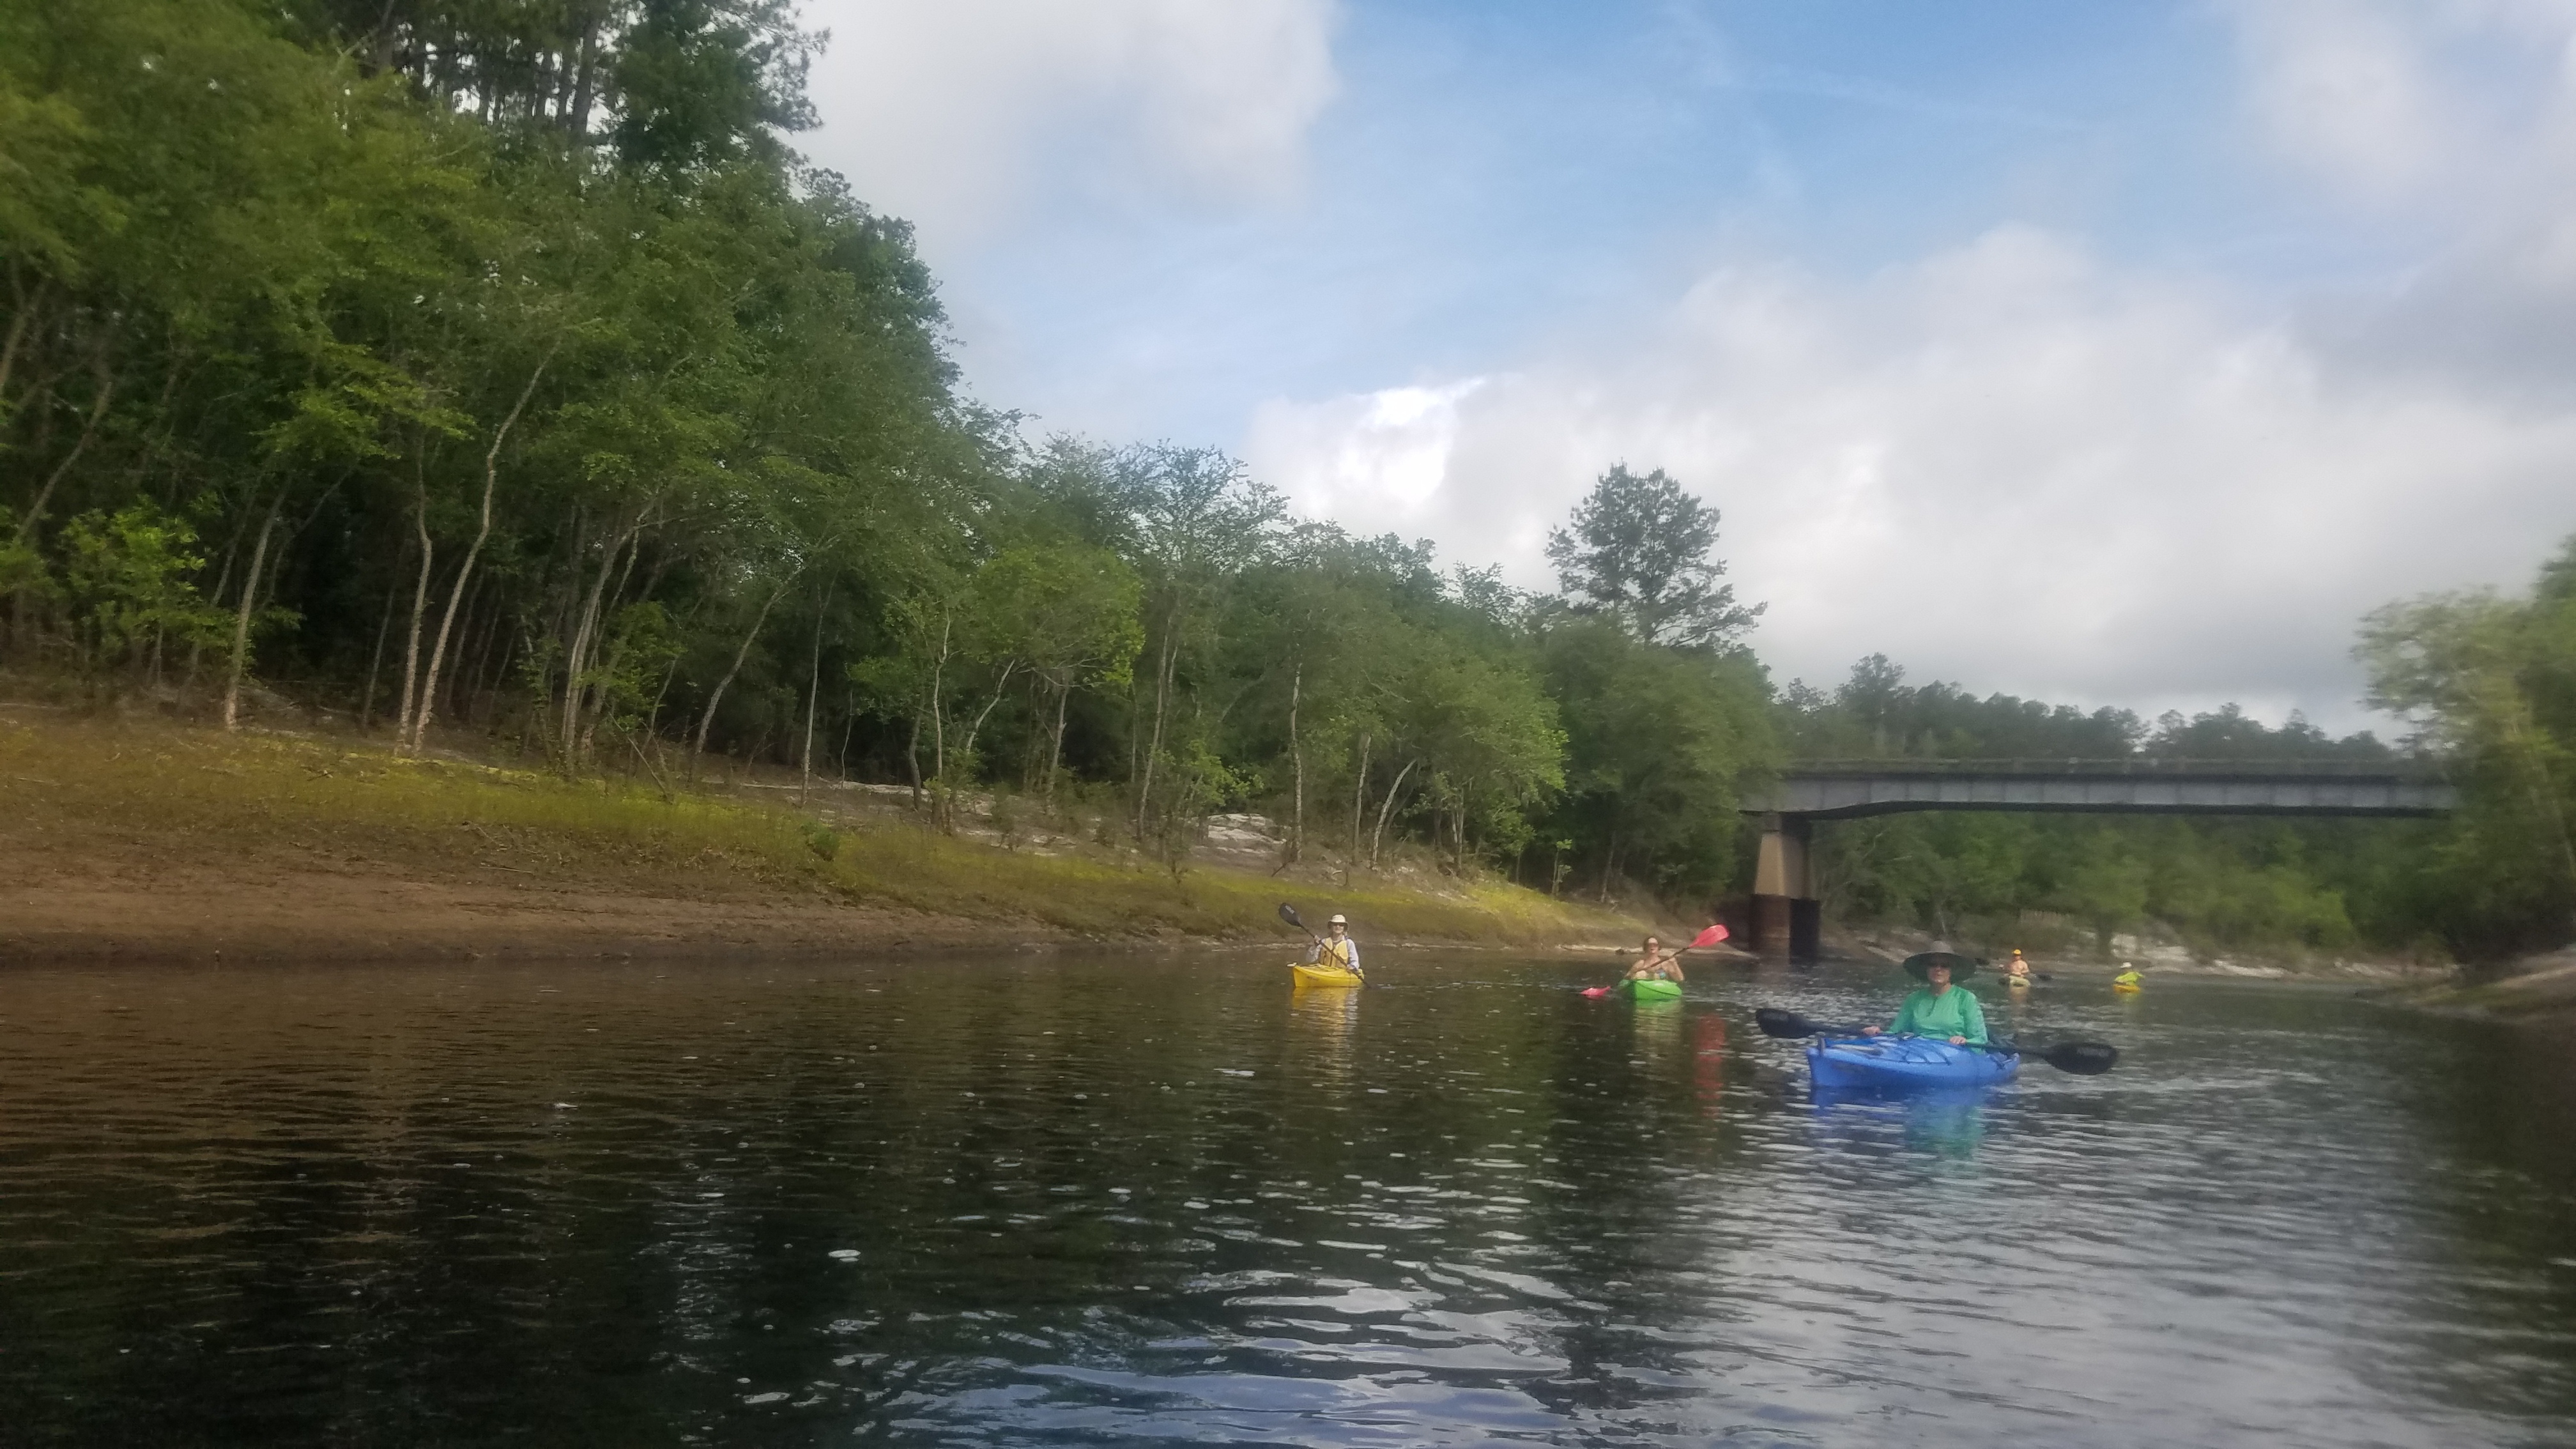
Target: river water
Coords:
[(1052, 1200)]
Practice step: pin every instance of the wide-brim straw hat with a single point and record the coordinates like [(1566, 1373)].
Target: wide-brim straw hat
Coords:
[(1919, 966)]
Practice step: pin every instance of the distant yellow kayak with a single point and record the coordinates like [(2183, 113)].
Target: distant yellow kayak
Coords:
[(1324, 975)]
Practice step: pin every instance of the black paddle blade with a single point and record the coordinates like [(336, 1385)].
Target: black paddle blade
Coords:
[(2083, 1058), (1288, 913), (1786, 1025)]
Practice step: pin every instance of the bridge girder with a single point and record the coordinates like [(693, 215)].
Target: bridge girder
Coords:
[(1787, 916), (1844, 794)]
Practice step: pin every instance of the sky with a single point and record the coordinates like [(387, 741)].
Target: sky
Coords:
[(2117, 354)]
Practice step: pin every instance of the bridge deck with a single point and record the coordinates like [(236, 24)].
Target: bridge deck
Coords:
[(1839, 789)]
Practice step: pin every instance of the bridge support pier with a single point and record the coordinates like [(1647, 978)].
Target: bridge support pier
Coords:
[(1788, 919)]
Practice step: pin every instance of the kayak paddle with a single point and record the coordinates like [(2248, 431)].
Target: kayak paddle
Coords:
[(1790, 1026), (2083, 1058), (1701, 942)]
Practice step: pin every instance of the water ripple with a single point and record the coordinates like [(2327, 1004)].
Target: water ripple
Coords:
[(1104, 1202)]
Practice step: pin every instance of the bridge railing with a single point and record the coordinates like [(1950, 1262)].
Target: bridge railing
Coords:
[(2402, 768)]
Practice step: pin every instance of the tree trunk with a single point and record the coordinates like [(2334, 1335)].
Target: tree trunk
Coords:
[(241, 615), (19, 319), (1377, 837), (813, 686), (1055, 748), (912, 758), (581, 93), (223, 581), (1162, 696), (1359, 809), (595, 696), (80, 445), (1297, 770), (715, 697), (585, 634), (482, 531), (375, 662), (967, 750), (939, 726), (411, 637)]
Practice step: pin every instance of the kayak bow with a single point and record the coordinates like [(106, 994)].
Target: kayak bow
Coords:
[(1651, 989), (1323, 975)]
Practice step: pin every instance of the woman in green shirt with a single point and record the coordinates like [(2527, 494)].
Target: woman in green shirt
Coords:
[(1940, 1009)]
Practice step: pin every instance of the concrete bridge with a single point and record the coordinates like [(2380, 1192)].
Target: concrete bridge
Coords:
[(1788, 917)]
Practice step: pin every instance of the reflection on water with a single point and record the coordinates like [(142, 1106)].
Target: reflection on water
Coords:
[(1066, 1201), (1943, 1122)]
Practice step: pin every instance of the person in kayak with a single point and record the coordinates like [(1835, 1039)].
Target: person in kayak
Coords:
[(1336, 948), (1654, 965), (2017, 970), (2127, 980), (1941, 1008)]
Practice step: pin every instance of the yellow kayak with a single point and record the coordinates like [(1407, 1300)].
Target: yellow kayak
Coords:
[(1323, 975), (2125, 986)]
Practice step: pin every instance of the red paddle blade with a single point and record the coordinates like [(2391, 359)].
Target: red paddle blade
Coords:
[(1596, 990), (1709, 937)]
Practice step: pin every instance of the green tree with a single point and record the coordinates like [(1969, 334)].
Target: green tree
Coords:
[(1641, 550), (1660, 744), (1065, 612)]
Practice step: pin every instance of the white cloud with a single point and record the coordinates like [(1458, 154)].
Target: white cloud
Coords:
[(2340, 85), (2004, 465), (960, 113), (1373, 460)]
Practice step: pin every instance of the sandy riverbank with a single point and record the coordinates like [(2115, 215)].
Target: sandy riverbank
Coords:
[(143, 840)]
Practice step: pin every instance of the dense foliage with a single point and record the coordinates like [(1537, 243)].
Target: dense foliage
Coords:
[(2489, 682), (491, 369)]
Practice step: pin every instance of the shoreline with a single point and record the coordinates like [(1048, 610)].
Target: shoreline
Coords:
[(126, 842), (2541, 994)]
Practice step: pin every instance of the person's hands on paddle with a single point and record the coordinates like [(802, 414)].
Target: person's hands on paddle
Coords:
[(1958, 1041), (1715, 933)]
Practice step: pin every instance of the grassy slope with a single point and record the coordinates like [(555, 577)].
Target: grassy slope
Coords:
[(262, 811)]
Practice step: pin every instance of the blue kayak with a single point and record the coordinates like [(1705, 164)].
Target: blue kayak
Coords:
[(1894, 1062)]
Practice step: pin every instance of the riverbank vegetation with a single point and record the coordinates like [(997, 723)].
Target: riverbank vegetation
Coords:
[(496, 376), (2487, 681), (495, 380), (340, 844)]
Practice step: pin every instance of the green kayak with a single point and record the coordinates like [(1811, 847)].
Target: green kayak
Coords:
[(1654, 990)]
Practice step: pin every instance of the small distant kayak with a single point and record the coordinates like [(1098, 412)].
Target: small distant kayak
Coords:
[(1651, 990), (1324, 975), (1890, 1062), (2126, 986)]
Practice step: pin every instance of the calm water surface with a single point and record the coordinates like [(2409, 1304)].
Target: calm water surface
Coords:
[(1062, 1201)]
